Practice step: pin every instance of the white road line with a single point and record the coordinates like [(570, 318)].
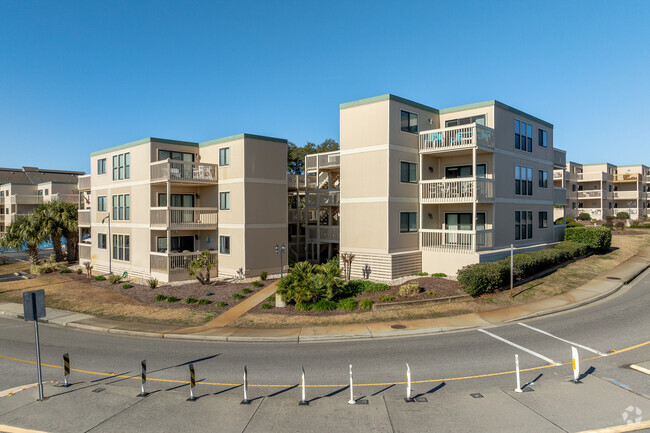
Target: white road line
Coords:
[(566, 341), (549, 360)]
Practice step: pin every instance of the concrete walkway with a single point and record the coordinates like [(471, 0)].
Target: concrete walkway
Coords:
[(217, 330)]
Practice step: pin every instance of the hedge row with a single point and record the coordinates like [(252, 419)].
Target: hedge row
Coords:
[(597, 238), (487, 277)]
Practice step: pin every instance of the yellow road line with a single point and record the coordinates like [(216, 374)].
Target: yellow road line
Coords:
[(10, 429), (621, 428), (448, 379)]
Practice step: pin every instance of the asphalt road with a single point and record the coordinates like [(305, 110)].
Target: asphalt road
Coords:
[(618, 322)]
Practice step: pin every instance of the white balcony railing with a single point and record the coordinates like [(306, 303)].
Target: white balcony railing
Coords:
[(83, 183), (631, 195), (456, 190), (558, 174), (177, 263), (590, 194), (455, 241), (84, 217), (296, 181), (183, 172), (323, 198), (323, 233), (457, 138), (185, 217), (323, 160), (26, 199), (84, 252), (559, 196)]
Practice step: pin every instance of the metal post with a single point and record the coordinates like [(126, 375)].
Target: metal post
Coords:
[(110, 252), (38, 360), (304, 401), (408, 398), (351, 388), (143, 380), (517, 369), (192, 383), (245, 400), (575, 363), (66, 369), (512, 269)]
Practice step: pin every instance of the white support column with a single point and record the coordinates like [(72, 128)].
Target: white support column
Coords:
[(475, 193), (169, 211)]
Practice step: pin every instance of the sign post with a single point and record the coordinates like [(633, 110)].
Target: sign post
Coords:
[(34, 309), (512, 268)]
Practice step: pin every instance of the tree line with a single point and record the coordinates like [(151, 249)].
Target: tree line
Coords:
[(296, 154)]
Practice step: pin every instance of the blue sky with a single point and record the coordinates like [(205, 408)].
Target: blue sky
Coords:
[(79, 76)]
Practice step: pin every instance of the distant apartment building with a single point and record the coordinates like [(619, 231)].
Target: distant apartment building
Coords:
[(167, 200), (604, 189), (22, 190)]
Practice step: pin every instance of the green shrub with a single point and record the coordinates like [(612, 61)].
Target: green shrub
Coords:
[(245, 290), (209, 293), (80, 271), (270, 298), (114, 279), (431, 293), (570, 222), (126, 286), (597, 238), (324, 305), (46, 268), (479, 278), (203, 302), (172, 299), (190, 300), (366, 304), (266, 306), (439, 274), (623, 215), (304, 306), (640, 226), (65, 271), (237, 296), (256, 284), (221, 304), (152, 283), (620, 225), (386, 298), (356, 287), (264, 275), (421, 274), (310, 283), (160, 298), (100, 278), (584, 216), (412, 288), (348, 304), (574, 249)]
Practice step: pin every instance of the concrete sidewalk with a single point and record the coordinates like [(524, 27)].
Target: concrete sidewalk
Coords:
[(592, 291)]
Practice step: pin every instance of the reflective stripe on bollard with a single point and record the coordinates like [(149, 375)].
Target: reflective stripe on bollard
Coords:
[(143, 381), (245, 400), (518, 389), (408, 398), (575, 363), (351, 401), (303, 401), (192, 383), (66, 369)]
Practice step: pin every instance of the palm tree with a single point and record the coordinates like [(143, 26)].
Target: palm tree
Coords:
[(69, 220), (24, 232), (48, 217)]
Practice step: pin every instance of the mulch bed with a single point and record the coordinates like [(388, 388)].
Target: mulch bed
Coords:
[(221, 292), (442, 287)]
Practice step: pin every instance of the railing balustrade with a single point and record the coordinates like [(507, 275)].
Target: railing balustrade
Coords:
[(84, 252), (185, 217), (590, 194), (175, 262), (84, 217), (183, 171), (457, 137), (455, 241), (456, 190), (83, 183)]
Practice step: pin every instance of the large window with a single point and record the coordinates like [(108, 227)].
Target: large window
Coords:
[(543, 179), (408, 222), (101, 241), (224, 244), (523, 224), (177, 156), (224, 200), (178, 200), (101, 166), (122, 166), (121, 207), (543, 220), (466, 121), (224, 156), (409, 122), (178, 244), (523, 136), (542, 138), (523, 180), (121, 246), (454, 172), (408, 172), (101, 203)]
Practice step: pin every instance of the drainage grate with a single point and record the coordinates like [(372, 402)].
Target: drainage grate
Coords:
[(477, 395), (613, 278), (398, 326), (362, 401), (99, 389), (421, 399), (528, 389)]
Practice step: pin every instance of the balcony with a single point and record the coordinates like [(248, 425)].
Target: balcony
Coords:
[(559, 196), (295, 216), (67, 198), (457, 138), (175, 263), (195, 218), (630, 195), (323, 198), (84, 252), (296, 181), (558, 174), (84, 217), (559, 158), (456, 190), (455, 241), (26, 199), (323, 233), (594, 177), (323, 160), (83, 183), (183, 172), (590, 194)]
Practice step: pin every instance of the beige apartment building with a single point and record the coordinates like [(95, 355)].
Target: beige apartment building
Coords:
[(22, 190), (604, 189), (426, 189), (166, 200)]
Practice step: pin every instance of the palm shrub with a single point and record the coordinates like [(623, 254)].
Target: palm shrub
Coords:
[(48, 218), (311, 283), (69, 214), (204, 261), (24, 233)]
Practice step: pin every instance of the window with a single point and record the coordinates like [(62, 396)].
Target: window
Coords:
[(464, 171), (178, 244), (523, 224), (47, 191), (523, 136), (408, 172), (101, 241), (122, 166), (409, 122), (573, 187), (543, 179), (523, 180), (542, 138), (121, 207), (39, 192), (121, 246), (543, 220), (466, 121), (101, 166), (408, 222), (224, 244), (224, 156), (178, 200), (580, 205), (573, 205), (609, 204), (177, 156), (224, 200), (101, 203)]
